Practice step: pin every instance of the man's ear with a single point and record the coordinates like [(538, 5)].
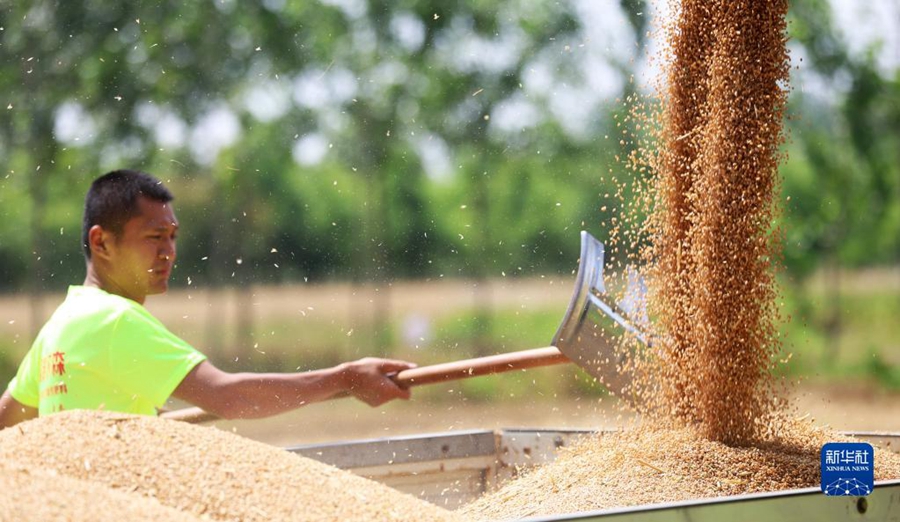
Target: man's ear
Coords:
[(99, 240)]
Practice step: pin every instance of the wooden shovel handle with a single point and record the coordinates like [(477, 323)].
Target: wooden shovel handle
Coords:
[(436, 373), (464, 369)]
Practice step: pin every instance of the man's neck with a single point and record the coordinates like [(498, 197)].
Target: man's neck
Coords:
[(95, 280)]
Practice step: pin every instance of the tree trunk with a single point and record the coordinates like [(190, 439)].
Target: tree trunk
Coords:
[(37, 192), (833, 324)]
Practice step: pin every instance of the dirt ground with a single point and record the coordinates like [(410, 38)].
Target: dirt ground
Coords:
[(844, 408)]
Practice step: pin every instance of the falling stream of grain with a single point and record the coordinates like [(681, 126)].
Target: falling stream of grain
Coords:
[(712, 252)]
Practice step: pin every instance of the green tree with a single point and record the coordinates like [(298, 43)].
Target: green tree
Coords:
[(843, 176)]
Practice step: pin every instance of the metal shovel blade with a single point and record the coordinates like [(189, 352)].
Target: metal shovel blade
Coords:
[(594, 324)]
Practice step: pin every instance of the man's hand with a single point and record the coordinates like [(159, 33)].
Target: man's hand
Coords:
[(369, 379)]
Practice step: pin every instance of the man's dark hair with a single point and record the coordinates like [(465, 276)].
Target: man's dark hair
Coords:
[(113, 199)]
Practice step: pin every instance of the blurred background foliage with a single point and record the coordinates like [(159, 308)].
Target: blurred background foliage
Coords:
[(370, 141)]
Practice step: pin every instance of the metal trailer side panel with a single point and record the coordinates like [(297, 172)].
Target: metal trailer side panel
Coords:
[(785, 506)]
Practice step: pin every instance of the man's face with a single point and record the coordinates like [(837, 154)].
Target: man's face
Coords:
[(142, 255)]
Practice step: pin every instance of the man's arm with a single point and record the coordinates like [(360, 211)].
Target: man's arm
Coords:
[(13, 412), (256, 395)]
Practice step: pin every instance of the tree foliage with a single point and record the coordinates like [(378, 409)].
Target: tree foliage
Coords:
[(371, 140), (844, 173)]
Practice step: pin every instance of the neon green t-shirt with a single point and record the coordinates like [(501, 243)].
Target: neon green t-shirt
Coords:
[(102, 351)]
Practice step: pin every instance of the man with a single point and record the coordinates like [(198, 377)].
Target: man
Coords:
[(101, 349)]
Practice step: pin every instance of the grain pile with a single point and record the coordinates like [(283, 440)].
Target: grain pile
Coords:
[(202, 471), (645, 466), (28, 493)]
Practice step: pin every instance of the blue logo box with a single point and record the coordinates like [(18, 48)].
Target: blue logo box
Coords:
[(848, 469)]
